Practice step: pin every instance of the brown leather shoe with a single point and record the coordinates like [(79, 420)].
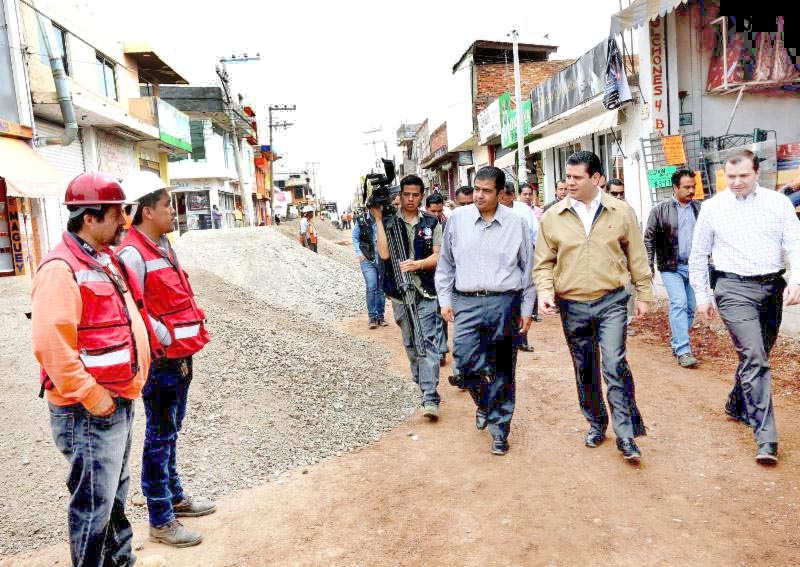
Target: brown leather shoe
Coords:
[(193, 507)]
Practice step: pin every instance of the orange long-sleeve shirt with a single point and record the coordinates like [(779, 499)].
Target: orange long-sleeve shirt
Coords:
[(57, 309)]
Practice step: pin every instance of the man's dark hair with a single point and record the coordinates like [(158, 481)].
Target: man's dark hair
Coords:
[(509, 188), (495, 174), (564, 181), (587, 158), (676, 177), (412, 180), (75, 224), (149, 200), (434, 199), (615, 181), (528, 185), (464, 190), (740, 155)]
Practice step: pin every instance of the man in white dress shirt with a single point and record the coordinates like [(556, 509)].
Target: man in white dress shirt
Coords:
[(746, 229)]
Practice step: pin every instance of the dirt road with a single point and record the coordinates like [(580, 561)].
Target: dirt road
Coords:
[(441, 498)]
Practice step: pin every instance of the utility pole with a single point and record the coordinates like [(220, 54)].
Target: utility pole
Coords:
[(374, 142), (314, 166), (270, 125), (522, 170), (233, 106)]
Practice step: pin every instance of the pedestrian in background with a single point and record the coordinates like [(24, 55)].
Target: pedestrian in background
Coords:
[(179, 326), (561, 193), (365, 246), (484, 284), (668, 239), (216, 217), (92, 337), (747, 229), (592, 241), (463, 196), (616, 188), (434, 204), (529, 196), (507, 199)]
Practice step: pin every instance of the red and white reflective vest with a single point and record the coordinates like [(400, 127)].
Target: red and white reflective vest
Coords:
[(106, 345), (169, 296)]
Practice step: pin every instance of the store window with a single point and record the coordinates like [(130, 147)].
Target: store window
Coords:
[(561, 160), (106, 76)]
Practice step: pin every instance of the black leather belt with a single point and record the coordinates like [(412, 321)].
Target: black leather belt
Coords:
[(763, 278), (484, 293)]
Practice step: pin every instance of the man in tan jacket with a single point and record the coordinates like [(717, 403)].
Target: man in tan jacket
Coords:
[(589, 248)]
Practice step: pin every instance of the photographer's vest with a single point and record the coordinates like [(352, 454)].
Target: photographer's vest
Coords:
[(365, 237), (169, 296), (423, 247), (106, 345)]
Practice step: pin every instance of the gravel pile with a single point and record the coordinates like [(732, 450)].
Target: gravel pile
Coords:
[(278, 270), (275, 389), (333, 243)]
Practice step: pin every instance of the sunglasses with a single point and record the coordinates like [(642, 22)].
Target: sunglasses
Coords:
[(616, 193)]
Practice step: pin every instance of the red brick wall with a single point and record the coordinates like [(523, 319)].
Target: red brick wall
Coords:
[(439, 138), (496, 78)]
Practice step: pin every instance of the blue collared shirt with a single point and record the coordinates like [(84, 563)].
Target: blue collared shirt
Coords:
[(686, 222), (481, 256)]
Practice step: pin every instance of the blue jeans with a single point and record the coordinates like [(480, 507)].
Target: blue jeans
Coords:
[(441, 334), (164, 398), (681, 307), (485, 341), (97, 449), (425, 370), (373, 278)]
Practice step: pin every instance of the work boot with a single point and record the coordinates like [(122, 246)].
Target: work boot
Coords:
[(175, 534), (382, 322), (431, 410), (151, 561), (193, 507), (373, 323), (687, 360)]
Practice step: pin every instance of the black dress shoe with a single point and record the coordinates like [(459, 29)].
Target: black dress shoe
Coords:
[(480, 419), (526, 348), (767, 454), (499, 446), (630, 452), (594, 438)]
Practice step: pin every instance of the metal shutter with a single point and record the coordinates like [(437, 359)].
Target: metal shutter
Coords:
[(68, 159)]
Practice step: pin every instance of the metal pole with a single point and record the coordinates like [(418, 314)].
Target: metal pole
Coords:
[(522, 170)]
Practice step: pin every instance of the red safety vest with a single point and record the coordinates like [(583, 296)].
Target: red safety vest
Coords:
[(106, 344), (169, 296)]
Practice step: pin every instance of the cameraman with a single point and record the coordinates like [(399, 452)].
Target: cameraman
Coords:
[(423, 237)]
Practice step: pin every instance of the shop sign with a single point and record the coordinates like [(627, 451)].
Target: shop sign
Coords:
[(571, 86), (489, 122), (465, 158), (658, 73), (173, 126), (15, 235), (508, 120), (661, 177)]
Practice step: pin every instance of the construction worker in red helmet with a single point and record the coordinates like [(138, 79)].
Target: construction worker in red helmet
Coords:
[(93, 340)]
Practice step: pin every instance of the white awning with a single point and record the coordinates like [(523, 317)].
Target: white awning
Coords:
[(507, 160), (641, 12), (28, 174), (597, 124)]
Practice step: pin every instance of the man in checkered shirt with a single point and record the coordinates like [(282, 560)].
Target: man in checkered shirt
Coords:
[(747, 229)]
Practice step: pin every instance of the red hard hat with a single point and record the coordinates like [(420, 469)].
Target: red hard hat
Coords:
[(94, 188)]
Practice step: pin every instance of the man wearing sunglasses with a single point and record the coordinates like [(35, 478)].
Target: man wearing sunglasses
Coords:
[(616, 188)]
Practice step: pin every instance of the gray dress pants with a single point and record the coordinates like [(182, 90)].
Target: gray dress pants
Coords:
[(595, 332), (752, 312)]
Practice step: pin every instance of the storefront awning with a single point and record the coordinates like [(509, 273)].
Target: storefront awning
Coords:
[(641, 12), (27, 174), (506, 160), (597, 124)]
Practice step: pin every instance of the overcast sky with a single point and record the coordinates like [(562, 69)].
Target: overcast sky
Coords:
[(349, 67)]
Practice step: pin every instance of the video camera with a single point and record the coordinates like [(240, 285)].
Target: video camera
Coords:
[(381, 195)]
